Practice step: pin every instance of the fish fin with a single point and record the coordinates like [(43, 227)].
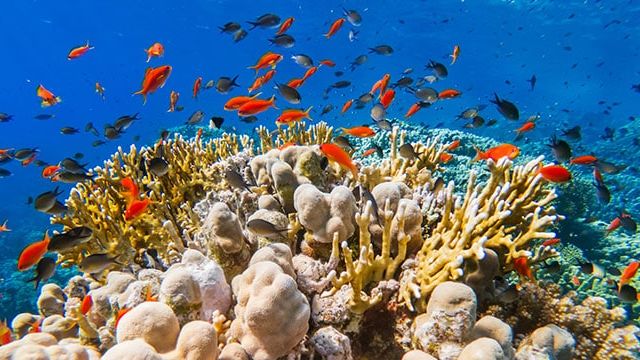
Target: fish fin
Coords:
[(479, 154), (307, 113), (253, 25)]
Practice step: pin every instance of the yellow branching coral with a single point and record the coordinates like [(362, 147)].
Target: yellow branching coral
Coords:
[(297, 133), (370, 267), (505, 214), (100, 205)]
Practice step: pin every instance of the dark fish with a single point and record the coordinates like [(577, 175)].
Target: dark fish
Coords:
[(353, 17), (553, 266), (408, 152), (609, 168), (384, 124), (263, 227), (40, 163), (303, 60), (469, 113), (235, 180), (365, 197), (284, 40), (164, 134), (628, 223), (4, 117), (78, 155), (603, 193), (382, 50), (573, 133), (358, 61), (46, 200), (326, 109), (123, 122), (67, 130), (216, 122), (338, 73), (98, 143), (29, 200), (110, 132), (226, 84), (195, 118), (229, 27), (90, 128), (439, 70), (5, 158), (379, 150), (359, 105), (5, 173), (343, 142), (73, 166), (614, 271), (438, 185), (506, 108), (158, 166), (44, 116), (532, 81), (560, 149), (427, 94), (237, 37), (249, 119), (97, 263), (70, 239), (44, 270), (24, 154), (365, 98), (378, 112), (404, 81), (288, 93), (68, 177), (477, 122), (341, 84), (628, 294), (265, 21)]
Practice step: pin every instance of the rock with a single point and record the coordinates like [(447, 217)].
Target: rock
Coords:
[(233, 351), (482, 349), (325, 214), (276, 253), (223, 229), (497, 330), (132, 350), (197, 341), (51, 300), (417, 355), (391, 191), (214, 290), (21, 324), (154, 322), (549, 340), (181, 292), (59, 327), (331, 344)]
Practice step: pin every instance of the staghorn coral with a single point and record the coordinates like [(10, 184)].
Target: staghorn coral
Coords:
[(505, 215)]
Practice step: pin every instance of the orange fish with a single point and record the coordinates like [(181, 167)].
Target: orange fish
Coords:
[(295, 83), (614, 225), (551, 242), (4, 227), (327, 62), (554, 173), (528, 126), (120, 314), (79, 51), (413, 109), (28, 160), (334, 28), (628, 274), (35, 327), (287, 144), (584, 160), (150, 296), (196, 87), (346, 106), (5, 333), (154, 50), (369, 152), (173, 100), (32, 253), (285, 26), (268, 75), (455, 54), (154, 78), (236, 102), (199, 135), (454, 145), (5, 152), (521, 265), (87, 303), (449, 94), (256, 106), (387, 98), (575, 280), (335, 153), (131, 188), (257, 84), (381, 85), (445, 157), (498, 152), (360, 131), (48, 99), (312, 70), (266, 60), (293, 115), (50, 170), (100, 90), (135, 208)]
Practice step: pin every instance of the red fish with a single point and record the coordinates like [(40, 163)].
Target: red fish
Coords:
[(412, 110), (32, 253), (268, 75), (381, 85), (154, 79), (445, 157), (50, 170), (555, 173), (312, 70), (498, 152), (614, 225), (196, 87), (269, 59), (521, 265), (455, 54), (120, 314), (551, 242), (628, 273), (3, 227), (136, 208), (293, 115), (5, 333), (449, 94), (257, 84), (335, 153), (346, 106), (173, 100), (154, 50), (79, 51), (199, 135), (528, 126), (296, 83), (256, 106), (285, 26), (454, 145), (584, 160), (575, 280), (334, 28), (369, 152), (360, 131), (387, 97), (131, 188), (236, 102), (327, 62), (87, 303), (48, 99), (28, 160)]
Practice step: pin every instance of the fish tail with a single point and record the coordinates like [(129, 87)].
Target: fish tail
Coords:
[(306, 113), (272, 100), (479, 154)]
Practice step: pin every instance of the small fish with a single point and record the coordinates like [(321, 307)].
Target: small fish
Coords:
[(343, 142), (560, 149), (155, 50), (264, 228), (123, 122), (532, 81), (335, 26), (215, 122), (70, 238), (628, 273), (359, 60), (506, 108), (384, 124), (327, 62), (44, 270), (47, 97), (249, 119), (408, 152), (32, 253), (173, 100), (378, 112), (229, 27), (336, 154), (256, 106), (554, 173), (73, 165), (449, 94), (100, 90), (583, 160), (628, 294), (359, 131), (288, 93), (609, 168), (4, 117), (385, 50), (295, 83), (50, 171), (352, 16), (86, 304), (454, 55), (196, 87), (521, 265), (265, 21), (92, 129), (439, 70), (341, 84), (158, 166), (291, 116), (528, 126), (429, 95), (303, 60), (269, 59), (79, 51), (3, 227), (285, 25), (195, 118), (96, 263), (326, 109), (236, 102), (387, 97), (239, 35), (284, 40), (627, 222), (46, 200), (550, 242), (353, 35), (498, 152), (154, 79), (226, 84), (24, 154), (136, 208), (346, 106), (602, 193), (97, 143), (310, 71), (235, 180)]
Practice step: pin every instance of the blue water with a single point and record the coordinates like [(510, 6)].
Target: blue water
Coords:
[(581, 52)]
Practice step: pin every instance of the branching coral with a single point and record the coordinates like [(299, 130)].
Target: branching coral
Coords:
[(297, 133)]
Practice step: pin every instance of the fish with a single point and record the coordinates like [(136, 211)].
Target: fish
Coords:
[(454, 55), (449, 94), (226, 84), (236, 102), (155, 50), (343, 142), (284, 40), (288, 93), (403, 82), (44, 270), (158, 166), (256, 106), (550, 242), (215, 122), (195, 118), (72, 165), (92, 129), (602, 193), (47, 97), (336, 154), (506, 108), (428, 95), (123, 122), (235, 180), (341, 84), (291, 116), (628, 273), (50, 171), (3, 227), (555, 173), (154, 79), (269, 59), (609, 168), (78, 51), (627, 222), (381, 85), (453, 145), (4, 117), (378, 112), (475, 123), (439, 70), (78, 156), (229, 27), (408, 152), (286, 24), (352, 16), (613, 225), (327, 62), (196, 87), (627, 294), (295, 83), (532, 81), (359, 60), (497, 152), (249, 119), (445, 157), (68, 177), (209, 84), (383, 124), (528, 126), (353, 35), (32, 253), (326, 109), (136, 208), (583, 160), (70, 239), (335, 26), (264, 228), (346, 106), (303, 60), (359, 131), (96, 263), (521, 266), (57, 209), (364, 196), (310, 71), (46, 200), (100, 90), (385, 50), (5, 333), (86, 304), (173, 100), (265, 21), (24, 154), (387, 98), (560, 149), (239, 35)]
